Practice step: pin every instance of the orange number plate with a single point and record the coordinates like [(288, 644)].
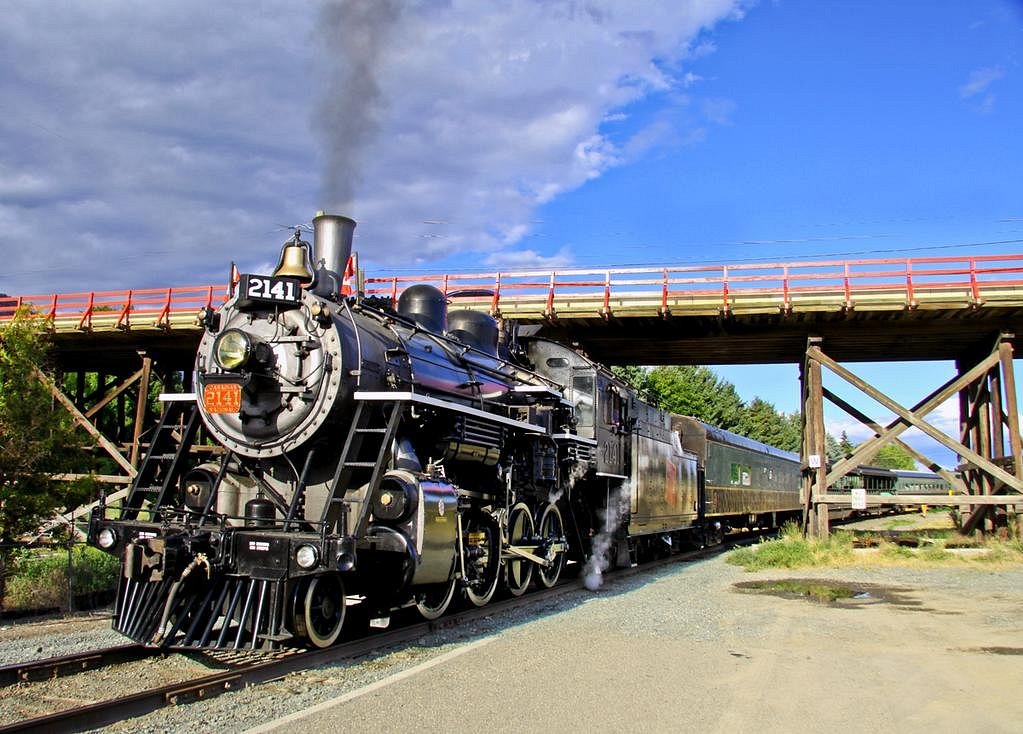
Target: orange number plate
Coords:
[(222, 397)]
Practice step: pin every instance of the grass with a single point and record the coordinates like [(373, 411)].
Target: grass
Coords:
[(897, 522), (39, 580), (792, 550)]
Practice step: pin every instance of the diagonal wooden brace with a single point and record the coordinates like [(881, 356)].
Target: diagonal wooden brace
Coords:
[(85, 423), (954, 481), (909, 418), (110, 396), (897, 427)]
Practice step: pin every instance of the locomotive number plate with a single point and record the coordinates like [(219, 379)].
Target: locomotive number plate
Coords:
[(222, 397), (267, 289)]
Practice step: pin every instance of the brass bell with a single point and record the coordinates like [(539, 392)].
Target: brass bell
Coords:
[(294, 262)]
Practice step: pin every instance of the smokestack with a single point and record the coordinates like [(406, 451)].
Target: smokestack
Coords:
[(332, 246)]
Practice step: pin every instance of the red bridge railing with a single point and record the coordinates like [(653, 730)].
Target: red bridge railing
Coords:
[(903, 279), (906, 281), (153, 307)]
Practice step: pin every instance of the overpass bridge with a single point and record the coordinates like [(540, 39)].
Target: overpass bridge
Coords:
[(866, 310), (819, 314)]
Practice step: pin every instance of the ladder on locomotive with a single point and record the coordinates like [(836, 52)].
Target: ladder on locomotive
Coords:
[(165, 460), (363, 460)]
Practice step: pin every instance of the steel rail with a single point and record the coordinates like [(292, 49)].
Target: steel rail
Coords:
[(107, 712), (55, 667)]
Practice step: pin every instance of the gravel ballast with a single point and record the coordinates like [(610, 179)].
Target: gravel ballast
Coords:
[(690, 612)]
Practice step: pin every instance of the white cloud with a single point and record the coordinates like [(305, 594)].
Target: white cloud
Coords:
[(150, 144), (978, 86), (520, 259), (718, 110), (980, 80), (945, 418)]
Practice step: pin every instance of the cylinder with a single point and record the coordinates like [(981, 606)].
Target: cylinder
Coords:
[(397, 497), (332, 246), (259, 513)]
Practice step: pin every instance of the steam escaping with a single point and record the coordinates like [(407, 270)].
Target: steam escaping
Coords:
[(617, 508), (577, 472), (352, 34)]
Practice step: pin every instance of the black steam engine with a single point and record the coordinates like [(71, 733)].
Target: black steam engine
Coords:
[(382, 455)]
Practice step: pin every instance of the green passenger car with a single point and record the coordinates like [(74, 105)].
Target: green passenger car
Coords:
[(750, 481)]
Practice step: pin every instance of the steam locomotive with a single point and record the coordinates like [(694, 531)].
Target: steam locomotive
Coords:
[(395, 455)]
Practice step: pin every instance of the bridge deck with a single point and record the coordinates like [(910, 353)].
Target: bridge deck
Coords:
[(898, 309)]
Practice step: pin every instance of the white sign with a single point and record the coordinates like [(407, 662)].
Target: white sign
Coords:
[(859, 498), (814, 461)]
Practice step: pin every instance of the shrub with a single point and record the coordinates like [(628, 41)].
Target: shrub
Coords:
[(792, 550), (39, 580)]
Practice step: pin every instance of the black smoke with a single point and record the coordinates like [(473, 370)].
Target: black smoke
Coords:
[(351, 35)]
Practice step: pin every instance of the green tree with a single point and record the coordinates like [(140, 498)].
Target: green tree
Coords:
[(833, 448), (635, 377), (698, 392), (762, 422), (36, 439), (892, 456)]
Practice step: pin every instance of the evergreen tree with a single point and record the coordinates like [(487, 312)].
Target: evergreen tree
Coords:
[(762, 422), (833, 448), (36, 439), (698, 392), (636, 377)]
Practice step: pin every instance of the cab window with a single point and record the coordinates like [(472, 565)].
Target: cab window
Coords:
[(612, 407), (582, 395)]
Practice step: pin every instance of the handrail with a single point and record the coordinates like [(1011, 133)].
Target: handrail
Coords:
[(125, 309), (788, 285), (845, 279)]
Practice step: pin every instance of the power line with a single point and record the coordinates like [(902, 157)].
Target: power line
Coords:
[(737, 261)]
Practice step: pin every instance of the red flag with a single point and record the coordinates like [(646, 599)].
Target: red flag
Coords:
[(346, 290)]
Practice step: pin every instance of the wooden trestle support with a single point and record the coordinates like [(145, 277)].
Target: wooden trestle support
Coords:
[(116, 414), (989, 445)]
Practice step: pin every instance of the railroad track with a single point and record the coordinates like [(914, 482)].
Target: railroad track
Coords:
[(270, 666), (38, 670)]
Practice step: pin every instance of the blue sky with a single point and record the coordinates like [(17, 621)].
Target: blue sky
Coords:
[(144, 145)]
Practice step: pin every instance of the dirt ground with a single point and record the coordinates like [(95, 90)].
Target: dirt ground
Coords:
[(913, 650)]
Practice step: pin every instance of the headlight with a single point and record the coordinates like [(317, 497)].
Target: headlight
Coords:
[(232, 349), (306, 556), (106, 538)]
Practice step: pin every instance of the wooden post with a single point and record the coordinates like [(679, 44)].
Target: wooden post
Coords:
[(967, 437), (820, 485), (983, 411), (1011, 413), (814, 459), (805, 480), (988, 475), (140, 407), (997, 413)]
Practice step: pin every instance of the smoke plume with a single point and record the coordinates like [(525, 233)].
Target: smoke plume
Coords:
[(618, 504), (352, 34)]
